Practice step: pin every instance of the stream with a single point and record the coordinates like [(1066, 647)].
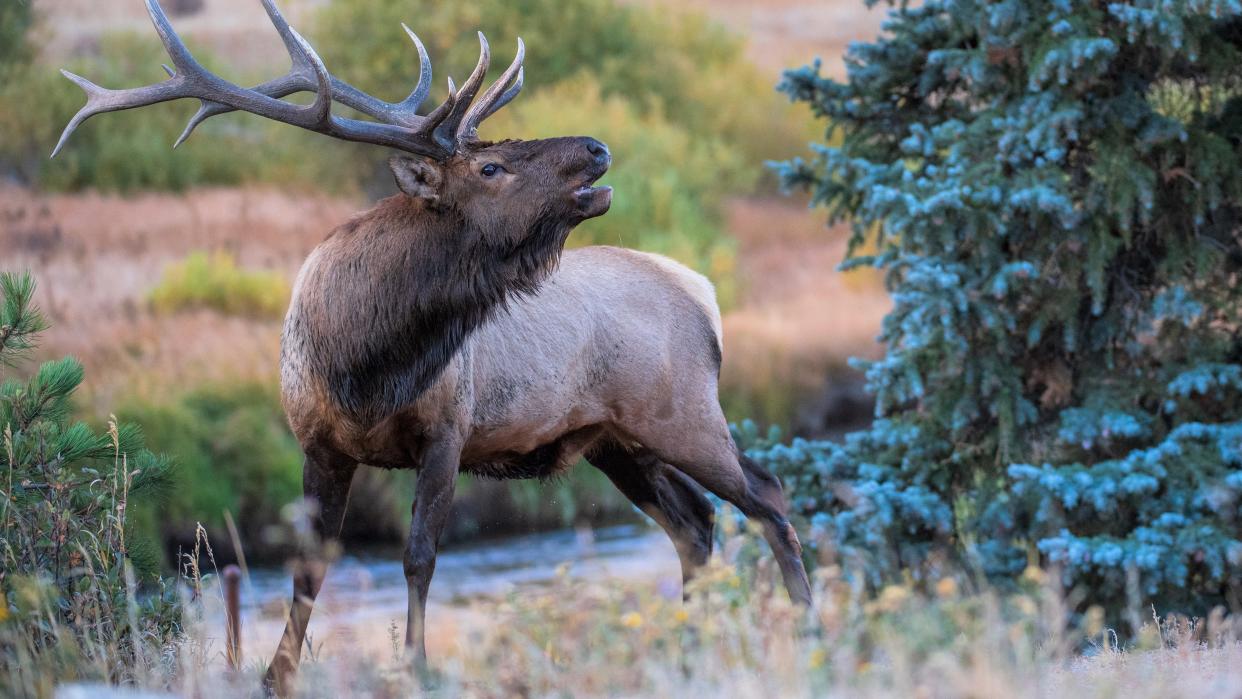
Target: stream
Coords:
[(364, 594)]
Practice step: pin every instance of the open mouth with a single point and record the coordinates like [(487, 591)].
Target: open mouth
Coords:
[(587, 187), (587, 190), (593, 200)]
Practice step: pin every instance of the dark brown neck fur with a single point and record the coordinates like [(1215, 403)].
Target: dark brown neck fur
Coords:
[(398, 289)]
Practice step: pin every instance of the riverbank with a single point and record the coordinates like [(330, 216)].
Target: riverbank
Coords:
[(612, 623), (364, 595)]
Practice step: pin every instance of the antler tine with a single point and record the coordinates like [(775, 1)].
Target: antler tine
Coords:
[(445, 132), (402, 113), (419, 94), (100, 100), (300, 79), (495, 97), (509, 94), (190, 74), (320, 111), (173, 45), (437, 115)]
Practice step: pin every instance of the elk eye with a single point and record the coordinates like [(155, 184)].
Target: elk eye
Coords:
[(490, 170)]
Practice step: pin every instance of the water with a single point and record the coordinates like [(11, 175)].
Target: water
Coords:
[(372, 584)]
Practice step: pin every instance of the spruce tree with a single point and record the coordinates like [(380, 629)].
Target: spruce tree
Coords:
[(1053, 189)]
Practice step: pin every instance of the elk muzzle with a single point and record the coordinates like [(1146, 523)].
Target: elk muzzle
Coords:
[(592, 201)]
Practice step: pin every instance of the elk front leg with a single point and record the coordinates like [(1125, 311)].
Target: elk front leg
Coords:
[(433, 499), (326, 479)]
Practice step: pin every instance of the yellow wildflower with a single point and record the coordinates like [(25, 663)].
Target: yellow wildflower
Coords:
[(946, 588), (893, 598), (1033, 573), (632, 620)]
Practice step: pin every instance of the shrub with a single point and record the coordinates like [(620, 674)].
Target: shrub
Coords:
[(70, 558), (213, 280), (234, 453), (1054, 189), (15, 20)]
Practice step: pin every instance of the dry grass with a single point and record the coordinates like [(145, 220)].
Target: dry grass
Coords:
[(799, 319), (97, 258), (735, 637)]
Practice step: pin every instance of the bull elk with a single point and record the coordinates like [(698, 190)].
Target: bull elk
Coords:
[(446, 330)]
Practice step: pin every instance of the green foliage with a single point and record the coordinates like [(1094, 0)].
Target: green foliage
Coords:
[(1054, 189), (69, 557), (234, 453), (16, 19), (214, 281), (20, 322), (132, 151)]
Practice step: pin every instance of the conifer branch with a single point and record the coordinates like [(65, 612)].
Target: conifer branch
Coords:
[(20, 320)]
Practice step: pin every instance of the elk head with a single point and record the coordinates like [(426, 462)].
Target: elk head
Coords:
[(449, 169)]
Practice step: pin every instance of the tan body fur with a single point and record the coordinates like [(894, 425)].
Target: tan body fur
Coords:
[(612, 343)]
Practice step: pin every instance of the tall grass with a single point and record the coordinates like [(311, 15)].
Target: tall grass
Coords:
[(736, 637)]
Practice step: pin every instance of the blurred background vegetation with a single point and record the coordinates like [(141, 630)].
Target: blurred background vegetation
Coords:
[(172, 290)]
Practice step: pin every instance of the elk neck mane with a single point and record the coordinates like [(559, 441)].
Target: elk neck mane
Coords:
[(387, 301)]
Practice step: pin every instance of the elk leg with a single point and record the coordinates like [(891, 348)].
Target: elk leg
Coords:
[(757, 493), (765, 499), (711, 458), (666, 495), (326, 479), (433, 500)]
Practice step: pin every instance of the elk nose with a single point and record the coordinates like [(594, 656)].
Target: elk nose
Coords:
[(598, 149)]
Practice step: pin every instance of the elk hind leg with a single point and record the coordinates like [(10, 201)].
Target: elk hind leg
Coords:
[(710, 457), (666, 495)]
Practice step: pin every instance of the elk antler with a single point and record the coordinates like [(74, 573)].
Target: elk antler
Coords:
[(397, 125)]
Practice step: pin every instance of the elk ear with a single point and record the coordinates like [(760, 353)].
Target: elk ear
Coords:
[(417, 177)]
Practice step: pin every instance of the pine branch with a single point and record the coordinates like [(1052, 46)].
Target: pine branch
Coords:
[(20, 320)]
